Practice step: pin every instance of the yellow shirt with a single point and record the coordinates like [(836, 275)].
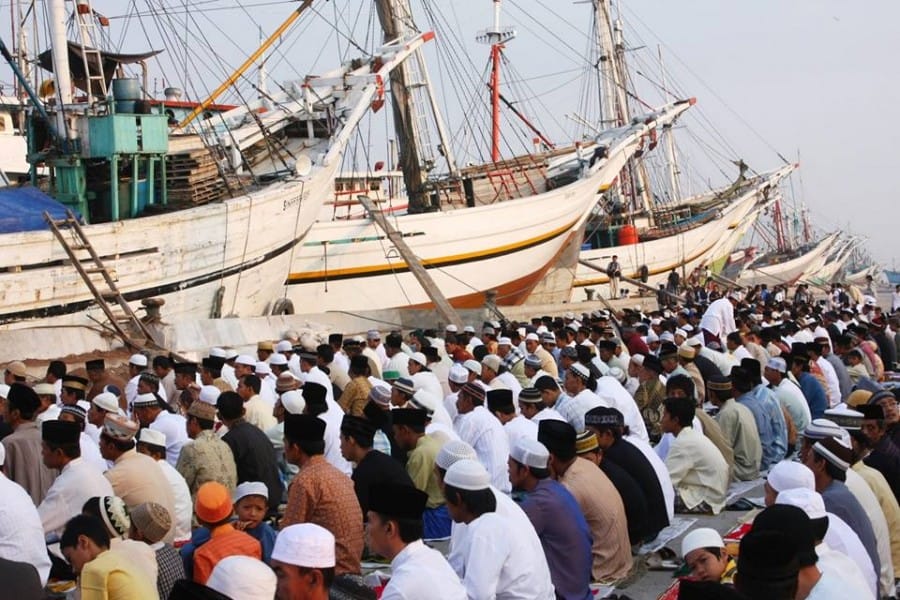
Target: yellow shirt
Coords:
[(111, 576)]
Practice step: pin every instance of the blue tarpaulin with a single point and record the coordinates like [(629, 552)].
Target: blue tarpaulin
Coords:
[(22, 209)]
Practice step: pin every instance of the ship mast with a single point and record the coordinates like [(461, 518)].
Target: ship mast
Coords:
[(405, 124), (496, 37)]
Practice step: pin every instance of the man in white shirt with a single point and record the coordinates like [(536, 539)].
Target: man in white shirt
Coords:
[(136, 365), (78, 480), (21, 533), (500, 559), (153, 444), (422, 377), (477, 427), (718, 320), (394, 530), (500, 404), (583, 399), (149, 412)]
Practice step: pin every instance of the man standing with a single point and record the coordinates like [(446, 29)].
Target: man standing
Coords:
[(23, 447), (394, 531), (320, 493), (208, 457), (718, 321), (557, 520), (599, 501), (614, 271)]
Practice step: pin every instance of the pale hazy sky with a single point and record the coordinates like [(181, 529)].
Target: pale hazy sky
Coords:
[(814, 77)]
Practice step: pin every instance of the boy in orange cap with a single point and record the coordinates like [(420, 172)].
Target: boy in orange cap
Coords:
[(213, 508)]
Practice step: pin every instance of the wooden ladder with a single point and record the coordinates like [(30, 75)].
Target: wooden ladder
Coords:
[(107, 298)]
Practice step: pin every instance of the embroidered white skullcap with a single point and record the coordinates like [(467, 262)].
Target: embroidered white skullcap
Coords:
[(145, 400), (530, 452), (473, 365), (638, 359), (458, 374), (419, 357), (469, 329), (250, 488), (695, 341), (454, 451), (702, 537), (467, 475), (533, 337), (681, 332), (504, 341), (305, 545), (580, 370), (243, 578), (278, 359), (807, 499), (666, 336), (787, 475), (217, 352), (451, 328), (284, 346), (152, 437), (230, 353), (293, 402)]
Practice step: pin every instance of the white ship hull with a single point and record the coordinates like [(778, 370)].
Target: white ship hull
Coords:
[(683, 251), (790, 271), (502, 248)]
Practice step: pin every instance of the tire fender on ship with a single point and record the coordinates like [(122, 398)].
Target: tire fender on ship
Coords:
[(644, 273), (282, 306)]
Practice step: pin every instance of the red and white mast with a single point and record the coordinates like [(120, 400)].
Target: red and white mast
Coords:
[(496, 37)]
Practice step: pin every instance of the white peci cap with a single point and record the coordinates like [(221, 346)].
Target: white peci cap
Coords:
[(250, 488), (293, 402), (246, 360), (454, 451), (152, 437), (787, 475), (458, 374), (530, 452), (138, 360), (243, 578), (809, 500), (305, 545), (704, 537), (107, 402), (467, 475)]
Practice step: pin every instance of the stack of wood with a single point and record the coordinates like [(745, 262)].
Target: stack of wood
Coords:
[(193, 178)]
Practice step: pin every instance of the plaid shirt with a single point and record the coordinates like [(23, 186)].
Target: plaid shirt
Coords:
[(512, 357), (170, 569)]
